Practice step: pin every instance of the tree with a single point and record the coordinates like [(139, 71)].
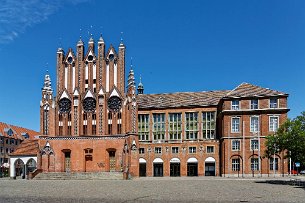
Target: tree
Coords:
[(290, 138)]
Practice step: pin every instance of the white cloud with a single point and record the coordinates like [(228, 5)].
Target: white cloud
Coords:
[(17, 15)]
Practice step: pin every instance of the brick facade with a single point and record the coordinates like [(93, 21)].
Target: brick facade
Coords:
[(96, 124)]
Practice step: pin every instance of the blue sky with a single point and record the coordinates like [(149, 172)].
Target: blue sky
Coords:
[(175, 45)]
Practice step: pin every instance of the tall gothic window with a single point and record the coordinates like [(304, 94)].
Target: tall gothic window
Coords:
[(45, 121), (208, 125), (143, 127), (85, 122), (174, 126), (109, 123), (191, 125)]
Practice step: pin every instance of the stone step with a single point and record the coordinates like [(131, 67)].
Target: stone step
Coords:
[(80, 176)]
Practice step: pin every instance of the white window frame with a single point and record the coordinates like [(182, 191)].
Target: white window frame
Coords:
[(235, 106), (191, 134), (208, 124), (143, 132), (175, 126), (140, 150), (235, 130), (252, 105), (254, 125), (175, 151), (159, 127), (276, 159), (271, 105), (256, 145), (254, 163), (192, 150), (213, 149), (158, 150), (234, 145), (236, 165), (272, 127)]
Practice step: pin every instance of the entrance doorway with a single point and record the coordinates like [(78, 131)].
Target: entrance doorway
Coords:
[(192, 167), (158, 167), (112, 162), (142, 167), (20, 169), (210, 166), (67, 161), (175, 167)]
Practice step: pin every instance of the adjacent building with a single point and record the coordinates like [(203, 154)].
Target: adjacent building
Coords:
[(10, 138)]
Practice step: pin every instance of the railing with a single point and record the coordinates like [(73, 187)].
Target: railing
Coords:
[(34, 173)]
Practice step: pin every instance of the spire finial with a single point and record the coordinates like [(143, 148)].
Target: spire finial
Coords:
[(80, 33)]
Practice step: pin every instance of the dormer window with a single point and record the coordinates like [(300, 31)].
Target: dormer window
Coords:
[(25, 135), (254, 104), (273, 103), (111, 57), (90, 58), (8, 131), (235, 105)]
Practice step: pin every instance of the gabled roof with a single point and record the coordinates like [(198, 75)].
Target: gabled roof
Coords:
[(27, 147), (17, 131), (249, 90), (180, 99)]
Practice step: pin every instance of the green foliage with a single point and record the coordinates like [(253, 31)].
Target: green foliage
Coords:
[(289, 138)]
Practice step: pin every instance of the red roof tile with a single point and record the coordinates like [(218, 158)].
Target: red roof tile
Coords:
[(27, 147), (16, 131)]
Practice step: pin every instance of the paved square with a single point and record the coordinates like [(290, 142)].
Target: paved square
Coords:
[(185, 189)]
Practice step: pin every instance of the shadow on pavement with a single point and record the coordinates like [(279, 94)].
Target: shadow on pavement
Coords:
[(297, 183)]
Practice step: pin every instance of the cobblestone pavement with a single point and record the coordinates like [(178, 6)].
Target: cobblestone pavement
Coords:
[(182, 189)]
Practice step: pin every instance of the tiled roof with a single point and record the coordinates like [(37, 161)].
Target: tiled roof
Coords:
[(27, 147), (17, 131), (181, 99), (249, 90)]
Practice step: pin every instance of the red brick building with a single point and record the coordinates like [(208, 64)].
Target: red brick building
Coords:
[(96, 124)]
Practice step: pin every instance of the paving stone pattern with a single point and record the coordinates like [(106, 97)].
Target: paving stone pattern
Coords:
[(182, 189)]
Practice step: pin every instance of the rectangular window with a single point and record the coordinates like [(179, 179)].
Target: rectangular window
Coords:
[(235, 105), (159, 126), (235, 124), (275, 162), (254, 144), (69, 130), (175, 150), (273, 103), (191, 125), (60, 130), (141, 150), (192, 150), (254, 104), (143, 127), (158, 150), (119, 126), (273, 123), (254, 121), (235, 145), (235, 164), (109, 129), (210, 149), (208, 125), (254, 164), (174, 126)]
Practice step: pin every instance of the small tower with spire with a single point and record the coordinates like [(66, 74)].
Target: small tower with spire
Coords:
[(140, 87), (46, 106)]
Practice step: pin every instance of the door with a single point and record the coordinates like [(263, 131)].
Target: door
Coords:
[(192, 169), (112, 162), (67, 161), (142, 169), (158, 169), (210, 169), (175, 169), (88, 163)]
